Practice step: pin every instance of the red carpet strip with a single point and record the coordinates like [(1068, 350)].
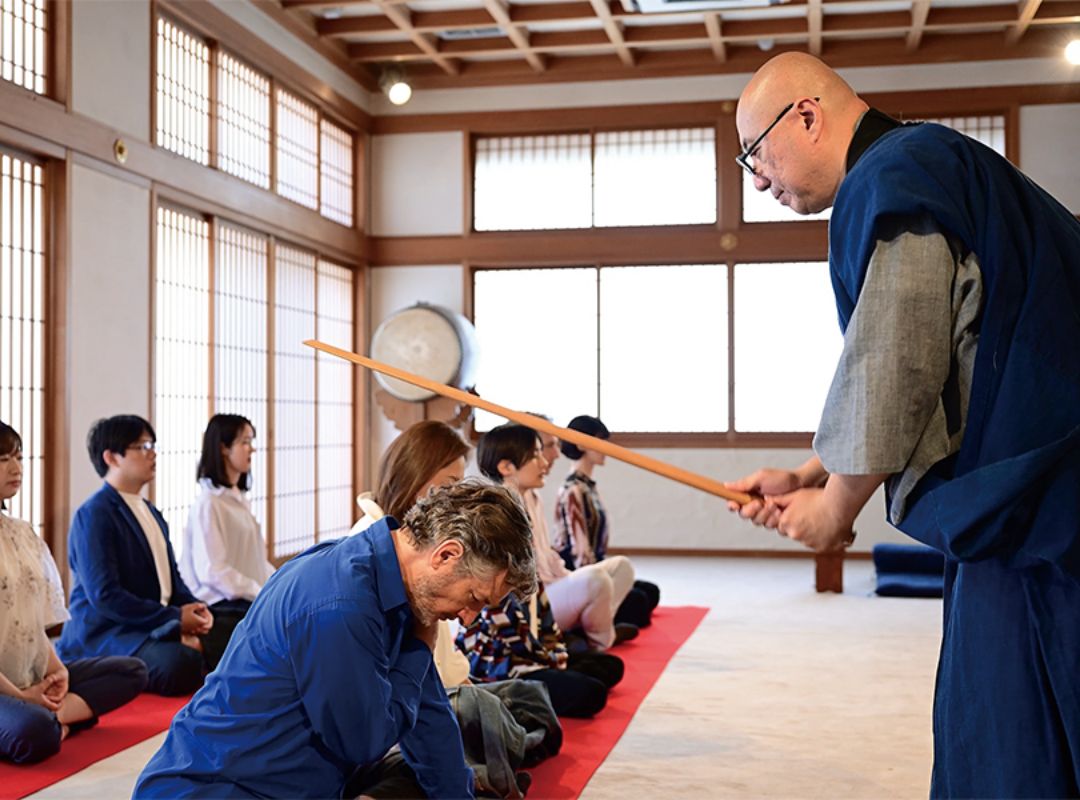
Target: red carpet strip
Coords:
[(587, 742), (136, 722)]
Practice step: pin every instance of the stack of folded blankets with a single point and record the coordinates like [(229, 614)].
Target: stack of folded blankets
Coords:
[(909, 570)]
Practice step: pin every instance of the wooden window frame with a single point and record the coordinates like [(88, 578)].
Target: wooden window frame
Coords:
[(729, 241)]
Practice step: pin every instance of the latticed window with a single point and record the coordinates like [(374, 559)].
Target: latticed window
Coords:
[(243, 118), (297, 150), (580, 180), (334, 324), (22, 323), (294, 401), (218, 303), (241, 320), (183, 92), (181, 359), (336, 171), (23, 39)]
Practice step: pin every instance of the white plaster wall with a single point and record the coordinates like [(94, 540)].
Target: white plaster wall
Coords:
[(1048, 139), (110, 63), (417, 184), (109, 321)]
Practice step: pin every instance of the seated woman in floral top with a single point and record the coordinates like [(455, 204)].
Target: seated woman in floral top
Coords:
[(522, 640), (41, 699)]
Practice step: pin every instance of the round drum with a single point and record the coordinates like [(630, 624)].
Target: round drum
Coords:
[(428, 340)]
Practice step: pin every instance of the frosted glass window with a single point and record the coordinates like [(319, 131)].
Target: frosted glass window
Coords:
[(336, 171), (22, 324), (297, 150), (183, 93), (335, 402), (663, 335), (23, 40), (656, 177), (787, 343), (294, 401), (537, 332), (243, 101), (240, 342), (532, 183), (988, 129), (181, 360)]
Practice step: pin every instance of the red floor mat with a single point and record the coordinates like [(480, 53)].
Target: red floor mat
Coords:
[(140, 719), (587, 742)]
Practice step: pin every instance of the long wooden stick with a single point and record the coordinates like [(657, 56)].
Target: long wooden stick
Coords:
[(540, 424)]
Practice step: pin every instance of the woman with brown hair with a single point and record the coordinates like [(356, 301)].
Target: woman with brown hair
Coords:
[(427, 456)]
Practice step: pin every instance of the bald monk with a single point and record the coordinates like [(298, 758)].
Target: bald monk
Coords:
[(957, 282)]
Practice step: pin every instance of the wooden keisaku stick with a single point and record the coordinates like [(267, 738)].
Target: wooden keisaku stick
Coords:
[(540, 424)]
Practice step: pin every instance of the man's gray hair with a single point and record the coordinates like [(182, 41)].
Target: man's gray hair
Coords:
[(490, 522)]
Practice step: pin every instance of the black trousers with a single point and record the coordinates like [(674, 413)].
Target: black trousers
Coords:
[(227, 615), (580, 690), (172, 668), (30, 733)]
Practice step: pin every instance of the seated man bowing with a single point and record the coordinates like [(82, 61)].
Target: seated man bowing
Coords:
[(334, 663), (128, 598)]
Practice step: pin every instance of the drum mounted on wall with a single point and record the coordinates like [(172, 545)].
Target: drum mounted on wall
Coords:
[(431, 341)]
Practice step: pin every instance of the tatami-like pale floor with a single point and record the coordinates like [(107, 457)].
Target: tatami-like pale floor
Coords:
[(781, 693)]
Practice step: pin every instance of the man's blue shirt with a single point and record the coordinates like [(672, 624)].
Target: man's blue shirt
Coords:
[(323, 676)]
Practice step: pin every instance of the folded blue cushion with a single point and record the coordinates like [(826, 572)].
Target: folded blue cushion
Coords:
[(910, 585), (908, 558)]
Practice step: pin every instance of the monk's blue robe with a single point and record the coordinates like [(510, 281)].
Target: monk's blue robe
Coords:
[(1005, 508)]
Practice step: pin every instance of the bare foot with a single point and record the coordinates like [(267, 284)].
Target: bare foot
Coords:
[(64, 731)]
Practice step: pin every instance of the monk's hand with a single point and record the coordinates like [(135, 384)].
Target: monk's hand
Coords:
[(763, 484), (195, 619), (807, 516)]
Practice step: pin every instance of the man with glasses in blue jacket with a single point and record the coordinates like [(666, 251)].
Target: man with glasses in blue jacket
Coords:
[(128, 598)]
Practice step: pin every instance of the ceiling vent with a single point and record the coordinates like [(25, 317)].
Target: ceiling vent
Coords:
[(471, 33), (673, 6)]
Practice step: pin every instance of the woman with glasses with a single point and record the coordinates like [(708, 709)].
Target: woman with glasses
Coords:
[(224, 560), (43, 700)]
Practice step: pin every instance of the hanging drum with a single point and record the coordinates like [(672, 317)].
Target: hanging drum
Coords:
[(427, 340)]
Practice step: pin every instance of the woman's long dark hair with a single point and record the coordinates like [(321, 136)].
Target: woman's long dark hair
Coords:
[(222, 431)]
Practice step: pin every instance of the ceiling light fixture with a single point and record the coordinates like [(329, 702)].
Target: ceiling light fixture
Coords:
[(394, 84), (1072, 52)]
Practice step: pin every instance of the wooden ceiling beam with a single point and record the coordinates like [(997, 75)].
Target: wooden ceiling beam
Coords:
[(500, 12), (614, 31), (920, 10), (422, 21), (401, 17), (713, 27), (1028, 10), (740, 59)]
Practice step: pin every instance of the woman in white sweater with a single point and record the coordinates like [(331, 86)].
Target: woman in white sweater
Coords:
[(224, 561)]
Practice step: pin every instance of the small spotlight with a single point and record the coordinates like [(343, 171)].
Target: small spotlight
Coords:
[(394, 84), (399, 93), (1072, 52)]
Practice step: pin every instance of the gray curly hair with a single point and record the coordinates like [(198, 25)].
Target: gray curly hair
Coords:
[(490, 522)]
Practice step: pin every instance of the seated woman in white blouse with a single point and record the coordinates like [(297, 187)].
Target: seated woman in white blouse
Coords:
[(224, 560), (42, 699)]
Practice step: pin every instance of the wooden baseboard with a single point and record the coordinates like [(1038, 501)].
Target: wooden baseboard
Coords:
[(726, 553)]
